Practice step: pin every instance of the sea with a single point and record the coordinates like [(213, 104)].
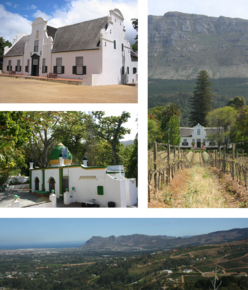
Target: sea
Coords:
[(42, 245)]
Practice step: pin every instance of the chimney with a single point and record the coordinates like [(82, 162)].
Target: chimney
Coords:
[(31, 164), (85, 160)]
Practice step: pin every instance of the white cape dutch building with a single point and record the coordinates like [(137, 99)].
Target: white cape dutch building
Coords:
[(95, 51)]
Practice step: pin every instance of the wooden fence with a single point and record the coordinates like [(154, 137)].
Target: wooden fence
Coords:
[(166, 170), (230, 163)]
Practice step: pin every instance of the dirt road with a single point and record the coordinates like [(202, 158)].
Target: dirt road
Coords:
[(21, 90)]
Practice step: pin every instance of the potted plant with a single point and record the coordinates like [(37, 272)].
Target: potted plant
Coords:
[(193, 144), (203, 144)]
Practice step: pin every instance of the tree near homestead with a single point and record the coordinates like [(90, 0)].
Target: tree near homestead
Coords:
[(201, 101)]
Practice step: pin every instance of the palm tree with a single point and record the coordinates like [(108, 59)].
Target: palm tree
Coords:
[(171, 110)]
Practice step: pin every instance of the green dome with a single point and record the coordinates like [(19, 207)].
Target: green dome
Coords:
[(54, 156)]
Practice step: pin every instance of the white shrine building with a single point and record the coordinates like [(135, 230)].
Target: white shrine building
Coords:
[(95, 51), (100, 185)]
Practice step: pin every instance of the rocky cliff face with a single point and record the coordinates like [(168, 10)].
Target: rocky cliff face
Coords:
[(180, 45), (144, 241)]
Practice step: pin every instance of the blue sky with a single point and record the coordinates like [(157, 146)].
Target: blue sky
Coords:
[(17, 16), (36, 230), (228, 8)]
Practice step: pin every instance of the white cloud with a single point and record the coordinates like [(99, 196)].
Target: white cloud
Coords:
[(81, 10), (38, 13), (12, 24), (11, 4), (33, 7), (228, 8), (73, 11)]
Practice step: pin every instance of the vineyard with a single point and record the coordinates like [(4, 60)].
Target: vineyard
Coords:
[(196, 178)]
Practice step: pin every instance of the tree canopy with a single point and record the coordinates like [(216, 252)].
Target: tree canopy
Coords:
[(3, 43)]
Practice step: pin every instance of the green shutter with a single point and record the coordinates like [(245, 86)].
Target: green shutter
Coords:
[(43, 179), (45, 69), (61, 181), (100, 190), (63, 69), (128, 70), (114, 44), (16, 68), (20, 68), (54, 69), (84, 70), (74, 70), (122, 71), (7, 68), (30, 181), (122, 47)]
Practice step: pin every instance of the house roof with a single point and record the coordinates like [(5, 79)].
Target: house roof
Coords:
[(186, 132), (18, 48), (51, 31), (81, 36), (212, 131)]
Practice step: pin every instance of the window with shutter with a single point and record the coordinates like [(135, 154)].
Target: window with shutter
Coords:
[(27, 67), (18, 67), (122, 70), (128, 70), (59, 65), (43, 65), (134, 70), (79, 65), (122, 47), (114, 44)]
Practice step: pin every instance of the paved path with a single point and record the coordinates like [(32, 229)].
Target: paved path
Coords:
[(25, 197)]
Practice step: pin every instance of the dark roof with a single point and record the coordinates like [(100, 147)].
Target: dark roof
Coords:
[(81, 36), (18, 48), (134, 54), (212, 130), (51, 31), (186, 132)]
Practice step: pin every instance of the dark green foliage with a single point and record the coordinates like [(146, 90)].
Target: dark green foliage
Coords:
[(162, 92), (3, 43), (201, 101), (135, 26), (237, 102), (132, 165)]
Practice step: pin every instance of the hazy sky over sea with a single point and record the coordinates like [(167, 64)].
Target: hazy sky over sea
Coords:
[(228, 8), (46, 230)]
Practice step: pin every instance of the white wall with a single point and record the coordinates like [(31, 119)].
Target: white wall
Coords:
[(92, 59), (13, 63), (36, 173), (86, 189), (131, 191), (55, 174), (45, 46)]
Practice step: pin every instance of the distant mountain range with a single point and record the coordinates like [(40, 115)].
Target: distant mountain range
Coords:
[(149, 242), (180, 45), (128, 142)]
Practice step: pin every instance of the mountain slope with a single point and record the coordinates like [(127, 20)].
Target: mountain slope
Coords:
[(180, 45), (145, 241)]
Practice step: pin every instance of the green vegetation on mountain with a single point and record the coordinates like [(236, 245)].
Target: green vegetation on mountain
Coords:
[(163, 92)]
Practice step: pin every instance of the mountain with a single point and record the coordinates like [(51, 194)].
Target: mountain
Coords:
[(149, 242), (180, 45), (128, 142), (125, 241)]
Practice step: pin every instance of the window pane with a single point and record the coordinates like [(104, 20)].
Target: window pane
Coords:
[(79, 60), (43, 62), (59, 69), (59, 61), (18, 62), (79, 70), (35, 61)]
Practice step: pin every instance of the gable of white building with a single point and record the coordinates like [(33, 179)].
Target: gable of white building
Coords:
[(95, 51)]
